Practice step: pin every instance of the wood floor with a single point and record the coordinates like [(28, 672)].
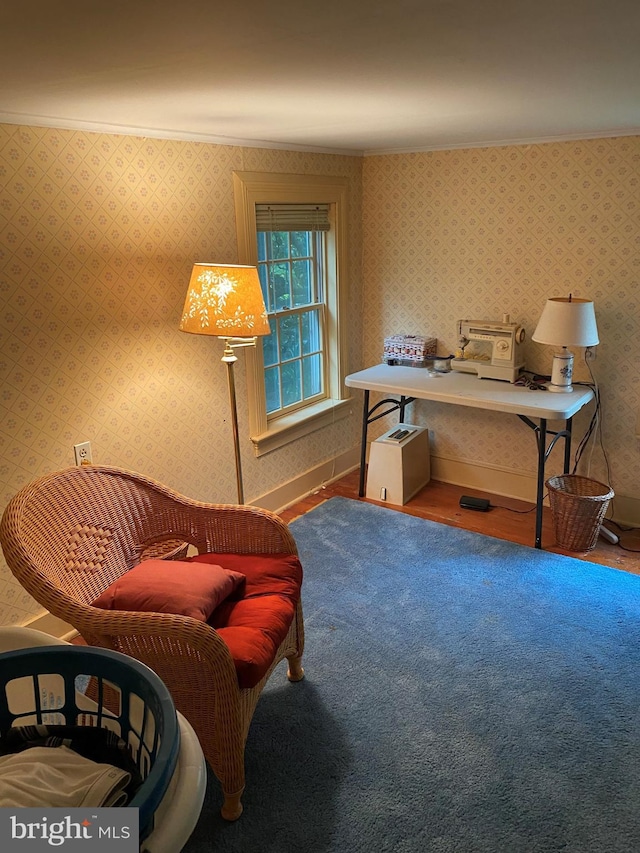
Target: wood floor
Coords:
[(440, 502)]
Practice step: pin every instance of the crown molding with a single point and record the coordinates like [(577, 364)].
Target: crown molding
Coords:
[(55, 122), (503, 143), (24, 119)]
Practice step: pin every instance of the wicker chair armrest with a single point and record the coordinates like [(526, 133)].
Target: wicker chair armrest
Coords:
[(227, 528), (210, 527), (161, 640)]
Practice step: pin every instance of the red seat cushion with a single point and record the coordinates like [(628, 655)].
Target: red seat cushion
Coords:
[(254, 626)]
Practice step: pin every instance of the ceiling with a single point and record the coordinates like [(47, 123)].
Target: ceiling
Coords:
[(343, 75)]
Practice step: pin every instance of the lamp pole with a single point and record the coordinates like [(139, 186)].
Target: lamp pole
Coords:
[(229, 358)]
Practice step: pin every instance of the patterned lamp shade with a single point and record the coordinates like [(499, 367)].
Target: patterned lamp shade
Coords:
[(225, 300)]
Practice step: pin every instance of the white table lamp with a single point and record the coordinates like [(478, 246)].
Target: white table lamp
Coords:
[(566, 322)]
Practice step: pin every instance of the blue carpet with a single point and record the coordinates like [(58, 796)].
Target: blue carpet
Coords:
[(462, 695)]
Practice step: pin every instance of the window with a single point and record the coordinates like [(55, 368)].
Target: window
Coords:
[(292, 269), (292, 227)]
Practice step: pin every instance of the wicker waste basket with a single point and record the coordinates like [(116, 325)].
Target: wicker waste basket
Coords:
[(578, 506)]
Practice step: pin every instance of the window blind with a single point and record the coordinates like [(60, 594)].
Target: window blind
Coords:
[(292, 217)]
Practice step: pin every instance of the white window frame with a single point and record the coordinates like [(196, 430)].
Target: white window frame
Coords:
[(251, 188)]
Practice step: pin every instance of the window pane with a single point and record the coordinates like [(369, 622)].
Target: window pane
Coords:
[(301, 274), (278, 244), (262, 246), (267, 290), (311, 335), (300, 244), (289, 329), (272, 388), (279, 282), (312, 375), (291, 385), (270, 345)]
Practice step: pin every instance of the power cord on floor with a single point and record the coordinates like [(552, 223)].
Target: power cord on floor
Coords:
[(623, 530), (630, 550), (484, 504), (511, 509)]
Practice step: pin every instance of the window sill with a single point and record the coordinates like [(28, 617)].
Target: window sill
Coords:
[(294, 426)]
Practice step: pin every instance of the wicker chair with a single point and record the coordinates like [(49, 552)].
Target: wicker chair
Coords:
[(67, 536)]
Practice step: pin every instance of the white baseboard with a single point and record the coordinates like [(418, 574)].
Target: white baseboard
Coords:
[(488, 478), (625, 510), (307, 483)]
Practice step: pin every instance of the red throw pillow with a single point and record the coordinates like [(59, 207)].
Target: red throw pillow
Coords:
[(171, 586)]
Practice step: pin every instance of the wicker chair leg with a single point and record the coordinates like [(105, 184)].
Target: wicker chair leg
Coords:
[(232, 806), (295, 671)]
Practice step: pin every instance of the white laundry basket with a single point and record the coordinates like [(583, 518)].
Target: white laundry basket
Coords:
[(173, 766)]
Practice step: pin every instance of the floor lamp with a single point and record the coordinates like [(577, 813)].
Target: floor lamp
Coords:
[(226, 301)]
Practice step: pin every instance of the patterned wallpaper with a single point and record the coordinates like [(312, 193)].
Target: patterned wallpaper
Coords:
[(98, 234), (479, 233)]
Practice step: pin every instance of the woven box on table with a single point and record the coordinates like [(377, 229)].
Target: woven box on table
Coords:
[(578, 507), (409, 350)]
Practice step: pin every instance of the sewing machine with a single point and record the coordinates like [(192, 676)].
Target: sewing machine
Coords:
[(492, 350)]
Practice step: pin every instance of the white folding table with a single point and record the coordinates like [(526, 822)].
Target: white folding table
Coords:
[(534, 408)]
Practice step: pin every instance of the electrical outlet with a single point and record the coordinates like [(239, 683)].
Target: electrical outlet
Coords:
[(590, 354), (83, 453)]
